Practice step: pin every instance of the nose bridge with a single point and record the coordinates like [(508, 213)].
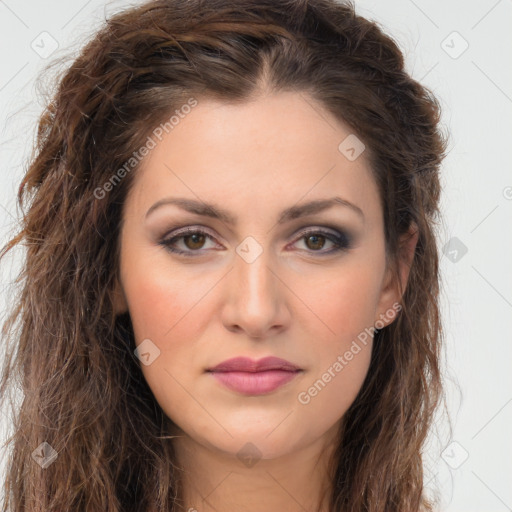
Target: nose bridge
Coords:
[(255, 281), (256, 302)]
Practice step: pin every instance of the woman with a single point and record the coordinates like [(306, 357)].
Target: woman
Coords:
[(230, 293)]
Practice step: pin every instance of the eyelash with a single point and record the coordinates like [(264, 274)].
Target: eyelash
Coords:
[(342, 241)]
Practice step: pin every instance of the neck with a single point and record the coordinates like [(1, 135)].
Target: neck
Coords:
[(214, 480)]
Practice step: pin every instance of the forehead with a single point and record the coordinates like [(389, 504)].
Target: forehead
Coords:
[(267, 153)]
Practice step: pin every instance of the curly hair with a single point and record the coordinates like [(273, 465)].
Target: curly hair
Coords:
[(73, 358)]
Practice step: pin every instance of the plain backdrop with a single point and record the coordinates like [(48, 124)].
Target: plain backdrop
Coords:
[(462, 52)]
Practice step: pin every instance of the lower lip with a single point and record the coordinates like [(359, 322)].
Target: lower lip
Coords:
[(255, 383)]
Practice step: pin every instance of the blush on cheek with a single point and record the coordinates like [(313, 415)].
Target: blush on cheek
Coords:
[(168, 312), (343, 300), (343, 312), (153, 308)]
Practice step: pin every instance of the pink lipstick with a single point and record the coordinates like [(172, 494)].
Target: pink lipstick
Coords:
[(251, 377)]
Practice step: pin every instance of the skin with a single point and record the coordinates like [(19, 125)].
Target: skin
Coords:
[(255, 159)]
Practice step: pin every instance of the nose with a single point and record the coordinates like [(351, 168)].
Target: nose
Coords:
[(256, 300)]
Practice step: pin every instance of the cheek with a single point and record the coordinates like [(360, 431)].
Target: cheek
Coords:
[(342, 301), (160, 301), (171, 309), (345, 301), (167, 310)]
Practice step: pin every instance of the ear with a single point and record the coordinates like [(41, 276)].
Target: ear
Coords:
[(118, 299), (393, 289)]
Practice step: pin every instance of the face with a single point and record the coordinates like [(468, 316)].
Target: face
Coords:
[(264, 278)]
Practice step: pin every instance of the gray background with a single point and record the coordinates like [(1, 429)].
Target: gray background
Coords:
[(462, 51)]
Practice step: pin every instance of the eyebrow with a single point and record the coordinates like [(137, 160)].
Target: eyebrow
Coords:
[(216, 212)]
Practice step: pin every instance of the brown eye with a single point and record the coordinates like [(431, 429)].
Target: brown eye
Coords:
[(191, 242), (197, 241), (315, 241)]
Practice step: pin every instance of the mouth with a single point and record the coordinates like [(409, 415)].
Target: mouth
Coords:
[(249, 377)]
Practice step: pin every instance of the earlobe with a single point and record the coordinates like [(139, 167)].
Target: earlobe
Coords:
[(394, 285)]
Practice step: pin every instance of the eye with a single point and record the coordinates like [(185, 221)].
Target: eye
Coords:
[(192, 240), (315, 240)]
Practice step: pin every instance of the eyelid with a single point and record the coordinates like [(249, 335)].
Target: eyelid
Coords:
[(188, 229), (321, 229)]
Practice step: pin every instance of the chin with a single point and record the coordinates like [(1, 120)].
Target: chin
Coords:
[(258, 443)]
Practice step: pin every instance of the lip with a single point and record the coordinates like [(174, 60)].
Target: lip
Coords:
[(245, 364), (249, 377)]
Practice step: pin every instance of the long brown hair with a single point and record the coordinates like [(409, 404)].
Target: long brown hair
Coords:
[(83, 391)]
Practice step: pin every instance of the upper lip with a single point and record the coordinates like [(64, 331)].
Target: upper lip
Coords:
[(245, 364)]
